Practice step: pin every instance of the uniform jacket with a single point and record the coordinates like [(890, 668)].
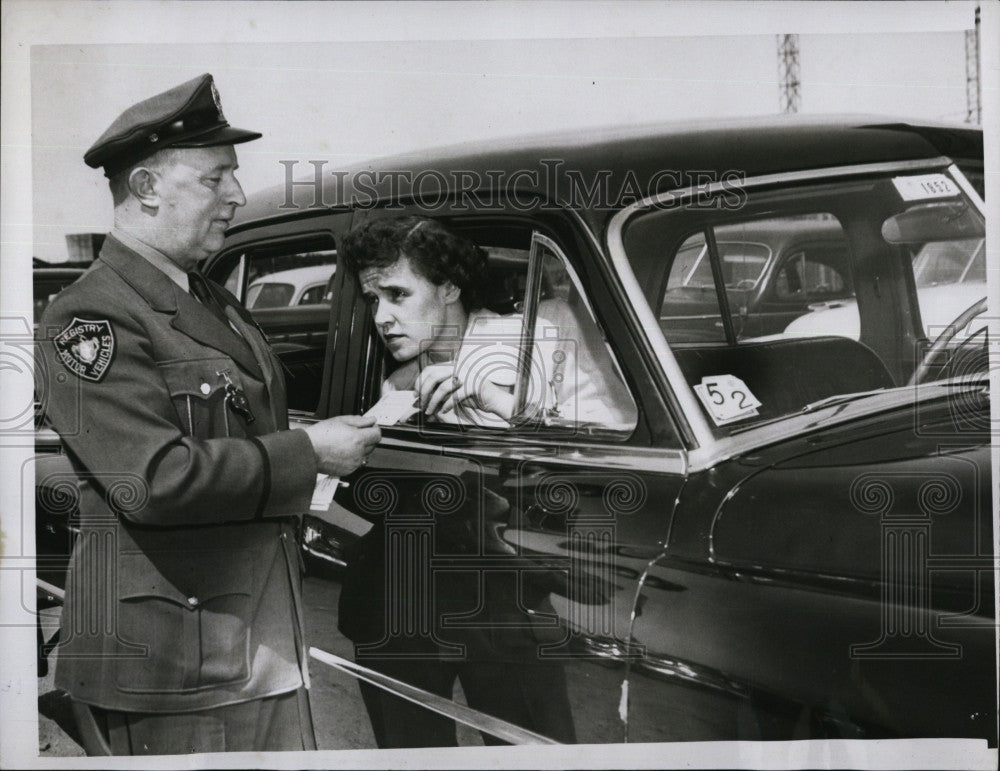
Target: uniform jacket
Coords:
[(183, 589)]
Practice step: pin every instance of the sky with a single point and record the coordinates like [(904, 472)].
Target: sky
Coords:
[(346, 101)]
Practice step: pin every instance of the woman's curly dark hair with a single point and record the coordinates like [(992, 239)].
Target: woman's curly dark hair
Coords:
[(434, 252)]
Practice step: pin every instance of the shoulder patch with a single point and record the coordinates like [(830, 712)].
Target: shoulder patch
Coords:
[(86, 348)]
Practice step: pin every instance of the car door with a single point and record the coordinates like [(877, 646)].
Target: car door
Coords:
[(569, 510), (840, 587)]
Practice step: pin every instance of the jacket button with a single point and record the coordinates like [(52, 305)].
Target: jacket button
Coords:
[(205, 388), (193, 601)]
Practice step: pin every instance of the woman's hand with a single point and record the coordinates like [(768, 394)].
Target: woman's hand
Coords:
[(439, 390)]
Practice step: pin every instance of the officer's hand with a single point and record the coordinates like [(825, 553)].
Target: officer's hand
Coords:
[(341, 444)]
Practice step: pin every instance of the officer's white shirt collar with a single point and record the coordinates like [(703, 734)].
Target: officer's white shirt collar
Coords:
[(154, 257), (160, 261)]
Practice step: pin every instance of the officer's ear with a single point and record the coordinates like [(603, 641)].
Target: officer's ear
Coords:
[(142, 185)]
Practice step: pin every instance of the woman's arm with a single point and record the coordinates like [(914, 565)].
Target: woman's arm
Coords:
[(441, 390)]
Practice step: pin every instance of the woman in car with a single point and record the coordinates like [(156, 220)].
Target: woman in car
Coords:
[(426, 288)]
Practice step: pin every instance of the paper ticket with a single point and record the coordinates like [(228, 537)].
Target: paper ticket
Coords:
[(326, 486), (395, 407)]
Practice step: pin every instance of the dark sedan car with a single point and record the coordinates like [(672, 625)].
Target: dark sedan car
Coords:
[(728, 532), (49, 281), (774, 271)]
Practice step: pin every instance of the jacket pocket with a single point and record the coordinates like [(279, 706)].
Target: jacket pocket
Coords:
[(191, 612), (198, 391)]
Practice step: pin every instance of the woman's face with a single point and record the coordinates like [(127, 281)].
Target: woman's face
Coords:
[(410, 311)]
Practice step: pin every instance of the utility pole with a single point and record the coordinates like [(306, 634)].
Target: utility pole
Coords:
[(973, 99), (788, 72)]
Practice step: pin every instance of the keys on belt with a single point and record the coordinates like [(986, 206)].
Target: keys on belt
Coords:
[(236, 398)]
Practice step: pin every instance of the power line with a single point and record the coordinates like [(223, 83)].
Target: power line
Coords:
[(788, 72), (973, 98)]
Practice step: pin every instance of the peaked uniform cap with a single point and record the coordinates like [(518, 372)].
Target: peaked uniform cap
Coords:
[(188, 115)]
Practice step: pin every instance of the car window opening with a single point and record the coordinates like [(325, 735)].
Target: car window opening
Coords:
[(568, 382)]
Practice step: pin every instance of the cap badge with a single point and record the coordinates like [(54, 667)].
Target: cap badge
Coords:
[(218, 101), (86, 348)]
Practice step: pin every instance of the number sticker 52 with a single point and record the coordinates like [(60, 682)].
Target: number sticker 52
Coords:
[(726, 398)]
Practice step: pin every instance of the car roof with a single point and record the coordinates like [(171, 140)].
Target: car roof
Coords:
[(57, 273), (298, 276), (747, 146)]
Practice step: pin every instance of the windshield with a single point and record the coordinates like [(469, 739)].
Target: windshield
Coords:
[(815, 292)]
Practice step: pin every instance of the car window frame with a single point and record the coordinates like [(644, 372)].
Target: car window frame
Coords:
[(309, 226), (562, 227)]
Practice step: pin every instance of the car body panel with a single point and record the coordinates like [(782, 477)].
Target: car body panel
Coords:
[(778, 563), (646, 156)]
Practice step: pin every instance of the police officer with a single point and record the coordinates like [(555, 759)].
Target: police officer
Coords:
[(182, 629)]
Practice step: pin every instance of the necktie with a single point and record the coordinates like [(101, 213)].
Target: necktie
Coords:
[(200, 289)]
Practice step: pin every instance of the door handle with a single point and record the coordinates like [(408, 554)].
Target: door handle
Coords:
[(538, 516)]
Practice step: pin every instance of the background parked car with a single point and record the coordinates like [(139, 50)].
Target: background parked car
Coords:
[(290, 299), (775, 270), (950, 277), (47, 282), (298, 286)]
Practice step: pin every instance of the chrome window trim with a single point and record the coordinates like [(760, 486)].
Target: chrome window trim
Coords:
[(967, 188), (711, 450), (560, 254), (652, 460), (529, 316), (767, 261), (241, 277), (680, 424)]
